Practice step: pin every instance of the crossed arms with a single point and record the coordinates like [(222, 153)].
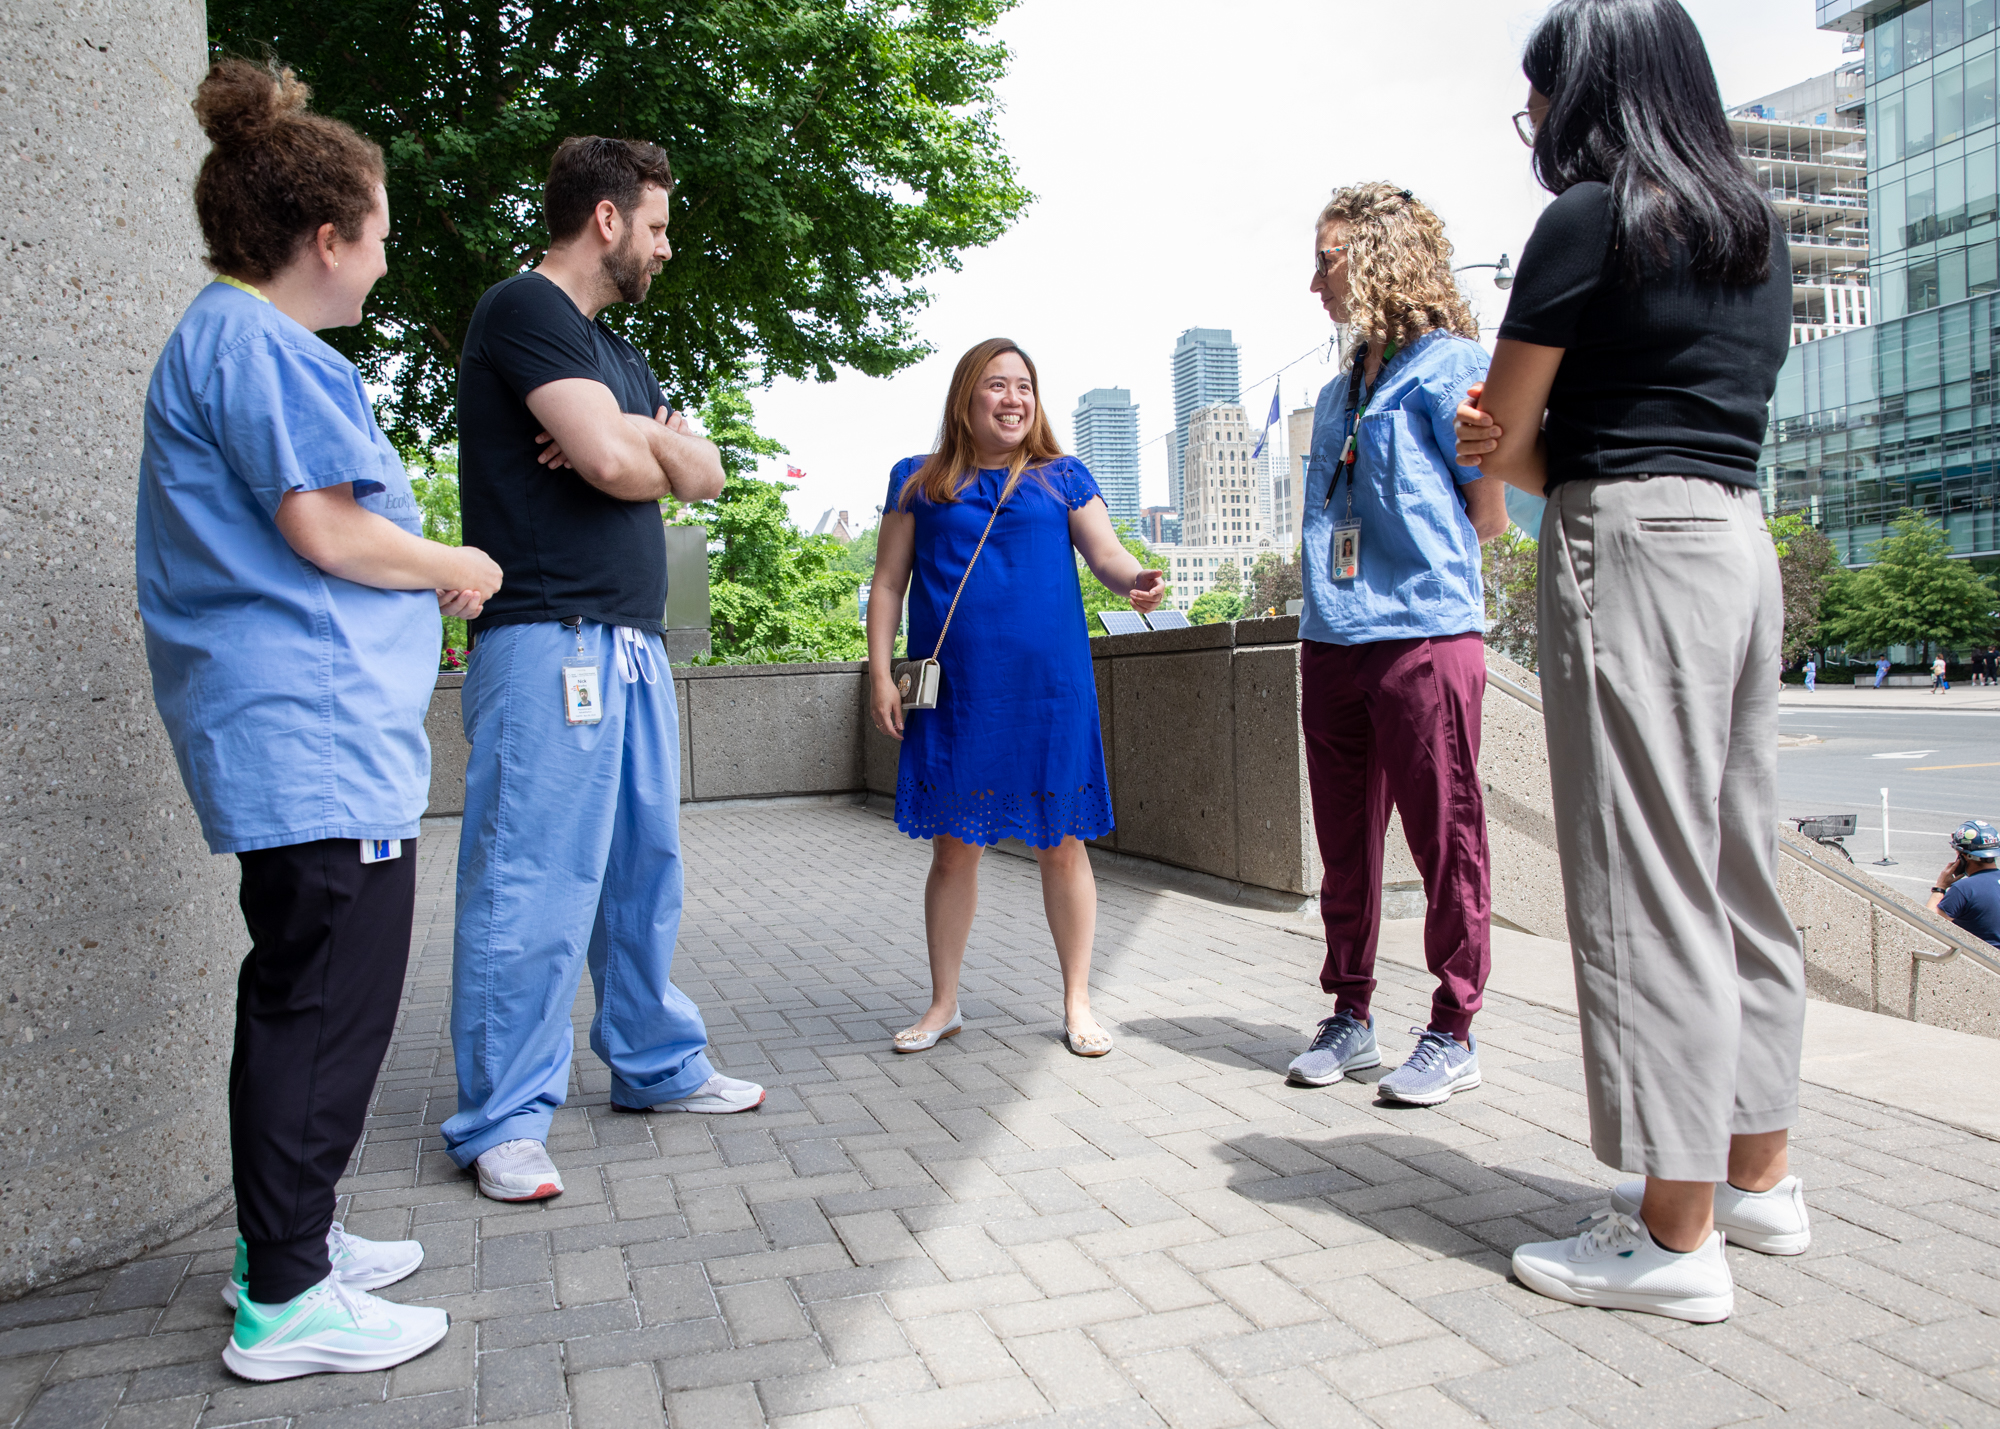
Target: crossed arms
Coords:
[(630, 457)]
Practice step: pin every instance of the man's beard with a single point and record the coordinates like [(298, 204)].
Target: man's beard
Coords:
[(630, 270)]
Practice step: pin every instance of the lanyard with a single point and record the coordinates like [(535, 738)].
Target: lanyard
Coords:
[(1357, 407), (245, 287)]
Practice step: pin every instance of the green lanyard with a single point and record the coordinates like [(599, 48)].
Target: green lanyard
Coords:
[(1357, 407)]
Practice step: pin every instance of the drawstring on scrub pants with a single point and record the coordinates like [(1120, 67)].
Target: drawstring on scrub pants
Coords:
[(634, 660)]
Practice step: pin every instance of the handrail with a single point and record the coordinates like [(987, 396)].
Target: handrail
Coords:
[(1939, 931)]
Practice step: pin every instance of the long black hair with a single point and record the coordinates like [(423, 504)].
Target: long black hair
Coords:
[(1633, 104)]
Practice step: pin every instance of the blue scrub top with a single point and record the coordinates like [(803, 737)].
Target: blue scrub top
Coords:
[(1419, 572), (295, 700)]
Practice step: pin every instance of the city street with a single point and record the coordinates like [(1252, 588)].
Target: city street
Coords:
[(1940, 766)]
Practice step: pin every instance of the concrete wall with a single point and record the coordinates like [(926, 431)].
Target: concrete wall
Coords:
[(1201, 739), (119, 933)]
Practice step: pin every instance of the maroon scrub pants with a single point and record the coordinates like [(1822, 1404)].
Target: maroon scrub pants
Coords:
[(1396, 723)]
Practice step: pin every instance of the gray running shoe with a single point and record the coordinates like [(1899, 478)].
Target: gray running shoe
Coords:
[(1343, 1044), (1435, 1068)]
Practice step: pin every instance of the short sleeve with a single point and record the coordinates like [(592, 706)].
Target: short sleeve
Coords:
[(1076, 483), (1954, 900), (1561, 267), (1465, 365), (291, 420), (901, 472), (534, 335)]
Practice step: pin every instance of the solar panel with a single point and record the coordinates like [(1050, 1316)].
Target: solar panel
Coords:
[(1122, 622), (1169, 620)]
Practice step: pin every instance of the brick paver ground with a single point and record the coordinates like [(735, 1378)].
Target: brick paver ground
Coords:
[(997, 1232)]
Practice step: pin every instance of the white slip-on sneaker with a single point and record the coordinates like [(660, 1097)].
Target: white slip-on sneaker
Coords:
[(1615, 1264), (1773, 1222), (330, 1329), (518, 1171), (358, 1264), (718, 1096)]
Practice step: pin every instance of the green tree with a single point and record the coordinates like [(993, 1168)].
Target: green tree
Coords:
[(1274, 579), (775, 594), (1508, 571), (830, 154), (1213, 607), (1914, 594), (1096, 597), (1806, 561), (434, 481), (1228, 578)]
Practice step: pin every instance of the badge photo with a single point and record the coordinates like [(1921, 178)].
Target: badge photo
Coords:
[(582, 699)]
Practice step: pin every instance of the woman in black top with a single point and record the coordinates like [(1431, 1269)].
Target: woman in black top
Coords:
[(1629, 386)]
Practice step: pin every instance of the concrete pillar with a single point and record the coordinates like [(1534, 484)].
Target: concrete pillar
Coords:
[(118, 931)]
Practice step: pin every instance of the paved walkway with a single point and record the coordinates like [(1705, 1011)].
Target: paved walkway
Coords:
[(997, 1232)]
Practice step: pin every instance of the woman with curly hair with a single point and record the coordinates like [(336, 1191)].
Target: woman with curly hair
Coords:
[(1392, 659)]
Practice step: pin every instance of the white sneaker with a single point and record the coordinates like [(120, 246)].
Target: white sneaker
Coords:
[(1772, 1221), (329, 1330), (518, 1171), (358, 1264), (1616, 1264), (718, 1096)]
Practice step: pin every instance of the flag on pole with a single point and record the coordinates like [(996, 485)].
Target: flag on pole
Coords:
[(793, 473), (1269, 422)]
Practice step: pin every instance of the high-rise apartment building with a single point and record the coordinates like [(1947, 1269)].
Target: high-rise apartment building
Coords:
[(1809, 147), (1107, 441), (1224, 505), (1206, 371), (1905, 413)]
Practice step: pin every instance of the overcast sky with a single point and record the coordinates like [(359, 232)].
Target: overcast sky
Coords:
[(1178, 153)]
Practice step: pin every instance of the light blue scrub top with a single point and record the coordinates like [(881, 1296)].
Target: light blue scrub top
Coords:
[(295, 700), (1419, 572)]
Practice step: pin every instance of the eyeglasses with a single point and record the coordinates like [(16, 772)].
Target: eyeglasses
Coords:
[(1524, 125), (1326, 257)]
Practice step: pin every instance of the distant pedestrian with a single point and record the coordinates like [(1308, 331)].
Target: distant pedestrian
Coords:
[(1649, 317), (984, 533), (1881, 671), (1938, 672), (1812, 672)]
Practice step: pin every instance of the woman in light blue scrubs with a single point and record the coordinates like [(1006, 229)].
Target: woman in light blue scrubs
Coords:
[(291, 610)]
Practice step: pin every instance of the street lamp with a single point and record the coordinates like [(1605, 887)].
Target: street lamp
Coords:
[(1503, 273)]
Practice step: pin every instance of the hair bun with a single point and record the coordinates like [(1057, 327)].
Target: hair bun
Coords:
[(240, 102)]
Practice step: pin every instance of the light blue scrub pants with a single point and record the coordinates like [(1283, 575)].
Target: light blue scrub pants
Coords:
[(570, 853)]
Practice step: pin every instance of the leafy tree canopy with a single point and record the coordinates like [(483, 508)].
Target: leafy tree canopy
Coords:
[(1228, 578), (1914, 594), (1509, 571), (1274, 580), (1213, 607), (1806, 562), (829, 155), (775, 594)]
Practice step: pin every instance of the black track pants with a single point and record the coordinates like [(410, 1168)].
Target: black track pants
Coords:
[(315, 1006)]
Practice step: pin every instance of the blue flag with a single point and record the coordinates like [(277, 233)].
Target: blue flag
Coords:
[(1269, 422)]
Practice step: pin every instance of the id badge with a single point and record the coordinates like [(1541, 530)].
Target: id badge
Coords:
[(380, 850), (1346, 550), (583, 701)]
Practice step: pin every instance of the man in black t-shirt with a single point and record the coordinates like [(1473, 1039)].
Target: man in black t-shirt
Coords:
[(570, 851)]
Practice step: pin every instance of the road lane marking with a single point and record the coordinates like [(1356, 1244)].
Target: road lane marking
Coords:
[(1905, 754), (1921, 768)]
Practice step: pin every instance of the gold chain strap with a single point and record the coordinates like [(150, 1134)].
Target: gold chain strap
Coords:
[(966, 577)]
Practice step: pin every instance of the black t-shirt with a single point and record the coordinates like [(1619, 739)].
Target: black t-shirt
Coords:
[(1670, 376), (566, 548)]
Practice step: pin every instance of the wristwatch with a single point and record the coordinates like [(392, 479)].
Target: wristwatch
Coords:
[(1936, 889)]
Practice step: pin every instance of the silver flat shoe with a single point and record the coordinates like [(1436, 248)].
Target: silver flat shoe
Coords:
[(1093, 1044), (911, 1040)]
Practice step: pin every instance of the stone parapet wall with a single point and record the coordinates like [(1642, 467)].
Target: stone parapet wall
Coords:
[(1202, 742), (119, 933)]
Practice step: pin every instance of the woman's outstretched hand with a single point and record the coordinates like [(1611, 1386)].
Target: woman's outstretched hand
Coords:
[(885, 706), (1478, 434), (1149, 588)]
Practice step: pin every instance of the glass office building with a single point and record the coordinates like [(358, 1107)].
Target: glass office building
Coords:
[(1107, 441), (1901, 414), (1205, 372)]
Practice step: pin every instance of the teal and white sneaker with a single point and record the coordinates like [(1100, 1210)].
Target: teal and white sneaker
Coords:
[(329, 1330), (1438, 1066), (1343, 1044), (358, 1264)]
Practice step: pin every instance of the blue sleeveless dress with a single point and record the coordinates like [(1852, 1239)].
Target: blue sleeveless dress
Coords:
[(1014, 748)]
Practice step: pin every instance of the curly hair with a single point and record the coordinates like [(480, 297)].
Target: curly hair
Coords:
[(1399, 281), (277, 171)]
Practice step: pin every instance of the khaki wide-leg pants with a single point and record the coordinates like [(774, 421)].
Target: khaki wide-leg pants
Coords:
[(1661, 629)]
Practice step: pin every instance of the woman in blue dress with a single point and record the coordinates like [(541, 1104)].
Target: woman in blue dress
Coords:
[(1013, 748)]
